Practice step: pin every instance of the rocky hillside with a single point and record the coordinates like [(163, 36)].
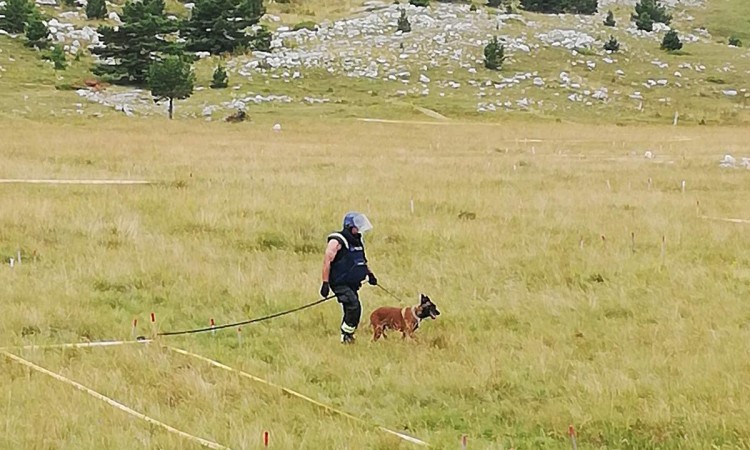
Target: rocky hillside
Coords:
[(556, 66)]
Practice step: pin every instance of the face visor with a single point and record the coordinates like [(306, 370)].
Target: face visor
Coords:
[(359, 220)]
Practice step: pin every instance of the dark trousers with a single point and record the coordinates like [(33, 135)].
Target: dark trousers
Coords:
[(352, 309)]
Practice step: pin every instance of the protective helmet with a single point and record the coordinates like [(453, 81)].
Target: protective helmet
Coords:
[(356, 219)]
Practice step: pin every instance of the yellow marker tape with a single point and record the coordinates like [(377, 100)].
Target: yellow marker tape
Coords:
[(120, 406), (296, 394)]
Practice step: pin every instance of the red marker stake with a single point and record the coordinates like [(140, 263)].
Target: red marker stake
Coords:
[(265, 438), (239, 335), (135, 324), (213, 325), (572, 433), (464, 441), (153, 324)]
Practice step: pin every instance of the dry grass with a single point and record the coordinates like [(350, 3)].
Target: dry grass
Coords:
[(636, 350)]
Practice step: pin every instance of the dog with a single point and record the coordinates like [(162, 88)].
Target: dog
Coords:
[(406, 320)]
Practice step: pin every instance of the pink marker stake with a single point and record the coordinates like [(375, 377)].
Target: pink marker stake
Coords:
[(135, 324), (265, 438), (153, 324), (239, 335), (213, 325), (464, 442)]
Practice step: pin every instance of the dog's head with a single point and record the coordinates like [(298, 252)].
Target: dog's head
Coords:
[(427, 308)]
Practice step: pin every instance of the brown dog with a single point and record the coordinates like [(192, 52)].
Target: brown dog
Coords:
[(406, 320)]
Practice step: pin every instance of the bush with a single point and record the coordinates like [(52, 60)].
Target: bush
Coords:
[(420, 3), (610, 20), (560, 6), (306, 25), (612, 45), (472, 8), (494, 55), (57, 56), (671, 41), (96, 9), (404, 25), (495, 3), (735, 41), (220, 79)]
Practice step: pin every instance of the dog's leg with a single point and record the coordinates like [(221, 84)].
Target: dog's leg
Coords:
[(377, 331)]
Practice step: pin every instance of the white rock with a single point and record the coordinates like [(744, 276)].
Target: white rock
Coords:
[(423, 78), (729, 92), (276, 127)]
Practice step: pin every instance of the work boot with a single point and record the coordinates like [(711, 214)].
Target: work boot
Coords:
[(347, 338)]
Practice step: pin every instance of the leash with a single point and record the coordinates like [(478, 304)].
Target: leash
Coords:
[(391, 293), (245, 322)]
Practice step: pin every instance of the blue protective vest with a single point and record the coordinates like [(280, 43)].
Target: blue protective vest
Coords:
[(349, 267)]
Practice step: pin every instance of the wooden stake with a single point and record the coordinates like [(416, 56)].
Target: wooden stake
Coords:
[(632, 241)]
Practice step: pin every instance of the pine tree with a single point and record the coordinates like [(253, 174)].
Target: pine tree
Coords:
[(15, 14), (420, 3), (494, 55), (671, 41), (612, 45), (218, 26), (261, 40), (655, 10), (644, 21), (57, 56), (171, 78), (404, 25), (37, 33), (610, 20), (735, 41), (96, 9), (220, 78), (135, 45)]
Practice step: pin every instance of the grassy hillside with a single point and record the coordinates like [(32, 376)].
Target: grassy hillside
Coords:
[(550, 316)]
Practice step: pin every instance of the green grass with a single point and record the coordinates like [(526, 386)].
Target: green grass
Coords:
[(727, 18), (634, 348)]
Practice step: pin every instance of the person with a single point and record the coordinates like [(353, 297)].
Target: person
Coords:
[(345, 268)]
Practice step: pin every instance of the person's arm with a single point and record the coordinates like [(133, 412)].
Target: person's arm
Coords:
[(333, 247)]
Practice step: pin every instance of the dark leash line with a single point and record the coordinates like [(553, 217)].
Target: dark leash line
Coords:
[(264, 318), (391, 294), (245, 322)]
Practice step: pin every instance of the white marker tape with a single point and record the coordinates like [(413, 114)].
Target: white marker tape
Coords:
[(9, 181), (296, 394), (120, 406), (726, 219), (76, 345)]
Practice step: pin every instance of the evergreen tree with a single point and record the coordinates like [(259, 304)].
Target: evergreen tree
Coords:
[(136, 43), (494, 55), (655, 10), (420, 3), (404, 25), (15, 14), (96, 9), (610, 20), (644, 21), (560, 6), (37, 33), (57, 56), (261, 40), (612, 45), (671, 41), (220, 78), (735, 41), (171, 78), (218, 26)]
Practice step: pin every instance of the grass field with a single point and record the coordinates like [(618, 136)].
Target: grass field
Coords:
[(544, 322)]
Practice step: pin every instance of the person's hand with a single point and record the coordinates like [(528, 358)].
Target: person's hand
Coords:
[(371, 279), (325, 289)]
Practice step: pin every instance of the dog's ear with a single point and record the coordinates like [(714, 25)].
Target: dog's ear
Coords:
[(423, 299)]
